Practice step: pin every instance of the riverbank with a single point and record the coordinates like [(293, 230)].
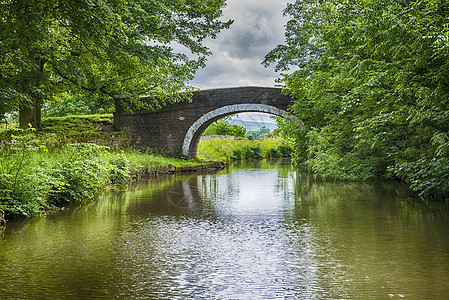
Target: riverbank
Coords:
[(167, 170), (38, 175)]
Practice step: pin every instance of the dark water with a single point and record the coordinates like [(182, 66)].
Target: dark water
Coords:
[(260, 231)]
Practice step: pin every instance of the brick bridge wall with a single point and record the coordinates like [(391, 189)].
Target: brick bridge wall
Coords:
[(176, 129)]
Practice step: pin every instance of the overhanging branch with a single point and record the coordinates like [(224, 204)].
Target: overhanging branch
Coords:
[(75, 82)]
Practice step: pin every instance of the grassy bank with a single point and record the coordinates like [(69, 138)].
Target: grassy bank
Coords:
[(35, 179), (234, 149), (41, 172)]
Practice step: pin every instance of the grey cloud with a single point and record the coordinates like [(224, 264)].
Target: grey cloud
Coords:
[(256, 28), (238, 52)]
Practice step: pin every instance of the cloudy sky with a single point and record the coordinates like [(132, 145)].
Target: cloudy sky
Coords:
[(239, 51)]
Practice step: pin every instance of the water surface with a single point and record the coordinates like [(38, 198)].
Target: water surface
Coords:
[(253, 231)]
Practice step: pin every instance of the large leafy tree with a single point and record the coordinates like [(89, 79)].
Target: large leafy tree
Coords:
[(222, 127), (111, 49), (371, 79)]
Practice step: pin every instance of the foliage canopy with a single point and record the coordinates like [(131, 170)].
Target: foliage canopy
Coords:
[(371, 80), (106, 49)]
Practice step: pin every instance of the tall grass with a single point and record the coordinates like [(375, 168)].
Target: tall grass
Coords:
[(36, 176), (235, 149), (139, 159), (34, 179)]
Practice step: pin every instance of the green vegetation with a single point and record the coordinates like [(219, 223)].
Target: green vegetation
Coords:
[(34, 178), (39, 172), (371, 84), (67, 104), (2, 222), (261, 133), (235, 149), (72, 125), (223, 128), (58, 131)]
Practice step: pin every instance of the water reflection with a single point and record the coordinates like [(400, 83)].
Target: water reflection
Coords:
[(254, 231)]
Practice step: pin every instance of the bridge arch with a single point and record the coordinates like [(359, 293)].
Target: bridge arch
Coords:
[(176, 128), (193, 135)]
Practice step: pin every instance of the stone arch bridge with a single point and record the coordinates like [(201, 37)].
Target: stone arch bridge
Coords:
[(176, 129)]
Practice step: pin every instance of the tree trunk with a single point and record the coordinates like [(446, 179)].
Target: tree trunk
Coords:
[(38, 114), (31, 115), (27, 117)]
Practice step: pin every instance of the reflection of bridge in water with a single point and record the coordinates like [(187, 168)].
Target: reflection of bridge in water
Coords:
[(181, 195), (226, 192), (177, 128)]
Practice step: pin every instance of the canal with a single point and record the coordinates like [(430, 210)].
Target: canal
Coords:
[(252, 231)]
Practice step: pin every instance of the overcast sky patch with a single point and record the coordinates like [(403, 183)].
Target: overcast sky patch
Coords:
[(239, 51)]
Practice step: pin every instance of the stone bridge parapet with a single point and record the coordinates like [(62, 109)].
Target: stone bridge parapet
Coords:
[(176, 129)]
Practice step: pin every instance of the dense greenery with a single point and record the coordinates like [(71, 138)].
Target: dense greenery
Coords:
[(260, 133), (58, 131), (32, 179), (99, 50), (84, 126), (41, 172), (236, 149), (67, 104), (370, 80), (224, 128)]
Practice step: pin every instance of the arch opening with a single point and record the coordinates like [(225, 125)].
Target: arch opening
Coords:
[(193, 135)]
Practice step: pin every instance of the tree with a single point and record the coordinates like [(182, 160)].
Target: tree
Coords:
[(112, 49), (224, 128), (371, 79), (264, 131), (261, 133)]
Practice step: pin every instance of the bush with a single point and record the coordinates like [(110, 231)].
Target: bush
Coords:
[(34, 179), (428, 177), (252, 151)]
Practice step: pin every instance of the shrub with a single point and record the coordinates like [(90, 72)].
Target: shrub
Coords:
[(33, 179), (428, 177), (252, 151), (285, 149)]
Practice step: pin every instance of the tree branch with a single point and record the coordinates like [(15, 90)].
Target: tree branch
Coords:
[(101, 89)]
